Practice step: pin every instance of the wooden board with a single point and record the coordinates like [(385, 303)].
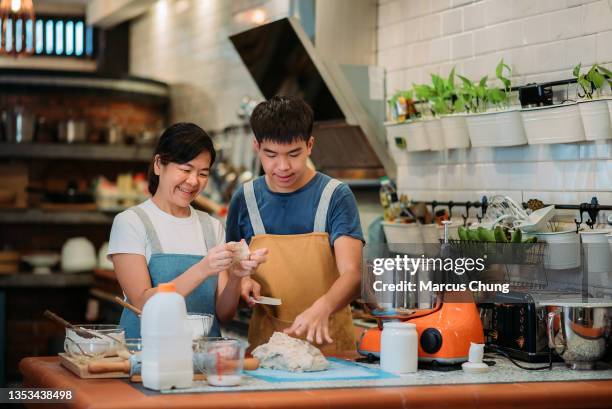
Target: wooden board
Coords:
[(80, 369)]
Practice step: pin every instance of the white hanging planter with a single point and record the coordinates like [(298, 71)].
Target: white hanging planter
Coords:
[(434, 134), (553, 124), (595, 119), (455, 131), (407, 136), (496, 128), (610, 109), (396, 140), (417, 137)]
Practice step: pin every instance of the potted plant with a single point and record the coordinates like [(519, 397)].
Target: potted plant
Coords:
[(593, 109), (450, 105), (500, 126), (431, 123), (555, 123), (407, 132)]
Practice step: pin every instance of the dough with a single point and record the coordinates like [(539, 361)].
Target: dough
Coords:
[(290, 354), (240, 251)]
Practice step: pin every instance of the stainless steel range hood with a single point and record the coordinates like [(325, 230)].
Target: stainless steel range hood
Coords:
[(349, 132)]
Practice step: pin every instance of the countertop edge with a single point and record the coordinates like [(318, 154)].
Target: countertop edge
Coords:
[(46, 372)]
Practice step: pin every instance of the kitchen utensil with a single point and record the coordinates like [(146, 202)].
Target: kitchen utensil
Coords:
[(78, 254), (133, 365), (114, 334), (200, 324), (130, 347), (537, 220), (80, 369), (127, 305), (223, 361), (583, 331), (42, 262), (86, 350), (444, 332), (267, 300), (63, 323)]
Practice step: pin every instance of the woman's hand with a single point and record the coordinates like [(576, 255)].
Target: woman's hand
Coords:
[(218, 259), (248, 266)]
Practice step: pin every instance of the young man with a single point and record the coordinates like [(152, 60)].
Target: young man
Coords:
[(310, 224)]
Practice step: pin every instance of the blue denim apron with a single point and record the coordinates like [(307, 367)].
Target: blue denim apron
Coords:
[(165, 267)]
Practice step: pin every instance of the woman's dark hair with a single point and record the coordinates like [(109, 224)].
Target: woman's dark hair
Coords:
[(180, 143), (282, 119)]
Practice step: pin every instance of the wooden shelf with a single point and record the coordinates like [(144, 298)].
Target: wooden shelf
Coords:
[(128, 153), (28, 216), (46, 280)]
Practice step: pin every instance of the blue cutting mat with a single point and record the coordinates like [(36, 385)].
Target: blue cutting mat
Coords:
[(339, 370)]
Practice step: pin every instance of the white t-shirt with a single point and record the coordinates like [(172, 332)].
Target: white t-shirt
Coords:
[(177, 235)]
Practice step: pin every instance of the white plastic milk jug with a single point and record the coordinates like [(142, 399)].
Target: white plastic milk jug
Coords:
[(166, 341)]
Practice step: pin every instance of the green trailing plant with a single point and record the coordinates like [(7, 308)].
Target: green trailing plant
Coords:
[(500, 97), (593, 81), (478, 96), (442, 95), (475, 95)]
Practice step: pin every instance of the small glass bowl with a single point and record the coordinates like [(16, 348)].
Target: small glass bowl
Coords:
[(132, 346), (88, 350), (113, 334)]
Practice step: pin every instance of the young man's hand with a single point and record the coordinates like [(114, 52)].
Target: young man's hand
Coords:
[(314, 322), (250, 289), (247, 267)]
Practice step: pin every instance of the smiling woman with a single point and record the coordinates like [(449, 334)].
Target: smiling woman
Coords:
[(166, 240)]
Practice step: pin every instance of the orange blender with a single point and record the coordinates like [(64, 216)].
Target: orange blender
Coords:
[(445, 331)]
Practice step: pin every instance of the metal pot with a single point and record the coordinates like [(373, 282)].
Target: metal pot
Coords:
[(582, 334)]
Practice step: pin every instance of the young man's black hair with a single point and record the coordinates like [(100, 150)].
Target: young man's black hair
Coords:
[(282, 119)]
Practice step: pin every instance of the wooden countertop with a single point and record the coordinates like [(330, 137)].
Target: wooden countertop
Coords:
[(114, 394)]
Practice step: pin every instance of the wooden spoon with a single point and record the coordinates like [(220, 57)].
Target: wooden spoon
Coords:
[(79, 331), (127, 305)]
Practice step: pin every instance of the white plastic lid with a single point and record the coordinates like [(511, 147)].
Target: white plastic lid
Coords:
[(399, 325)]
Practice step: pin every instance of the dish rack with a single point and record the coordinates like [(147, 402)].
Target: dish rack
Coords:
[(521, 265)]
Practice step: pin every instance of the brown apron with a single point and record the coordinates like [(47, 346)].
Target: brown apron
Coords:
[(300, 268)]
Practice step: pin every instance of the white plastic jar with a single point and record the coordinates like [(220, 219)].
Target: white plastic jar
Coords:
[(399, 347)]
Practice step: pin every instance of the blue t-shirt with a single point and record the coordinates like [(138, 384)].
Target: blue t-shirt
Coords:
[(294, 212)]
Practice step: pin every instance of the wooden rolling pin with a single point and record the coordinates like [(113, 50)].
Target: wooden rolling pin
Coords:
[(133, 367)]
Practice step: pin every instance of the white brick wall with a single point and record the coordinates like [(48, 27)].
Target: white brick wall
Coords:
[(207, 77), (541, 40)]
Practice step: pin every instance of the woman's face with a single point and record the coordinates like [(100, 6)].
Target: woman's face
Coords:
[(180, 183)]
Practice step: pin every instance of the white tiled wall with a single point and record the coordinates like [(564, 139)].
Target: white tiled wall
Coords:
[(541, 40), (185, 43)]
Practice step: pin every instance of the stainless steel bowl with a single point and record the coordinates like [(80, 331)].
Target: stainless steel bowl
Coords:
[(581, 336)]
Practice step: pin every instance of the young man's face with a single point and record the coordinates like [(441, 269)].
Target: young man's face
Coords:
[(285, 163)]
